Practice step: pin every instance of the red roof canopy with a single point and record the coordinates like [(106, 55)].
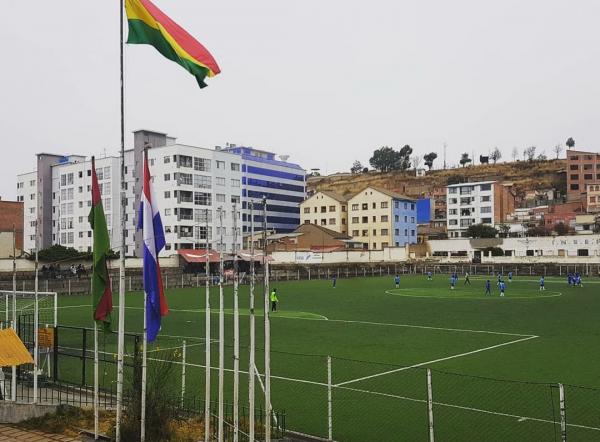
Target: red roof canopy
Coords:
[(199, 255)]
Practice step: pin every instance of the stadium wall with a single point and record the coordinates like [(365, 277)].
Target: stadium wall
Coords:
[(388, 254)]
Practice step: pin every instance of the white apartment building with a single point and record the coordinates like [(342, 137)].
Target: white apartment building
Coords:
[(484, 202), (65, 220), (192, 184)]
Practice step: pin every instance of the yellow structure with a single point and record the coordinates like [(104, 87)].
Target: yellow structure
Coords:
[(326, 209), (12, 350)]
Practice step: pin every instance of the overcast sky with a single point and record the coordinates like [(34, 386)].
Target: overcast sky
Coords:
[(324, 81)]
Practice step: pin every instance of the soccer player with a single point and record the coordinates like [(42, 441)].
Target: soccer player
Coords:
[(578, 281), (499, 279), (397, 281), (509, 277), (452, 282), (570, 279), (334, 281), (467, 280), (542, 284), (274, 300), (429, 276), (488, 287), (502, 287)]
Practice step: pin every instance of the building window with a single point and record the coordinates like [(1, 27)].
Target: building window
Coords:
[(573, 167), (588, 176), (220, 181), (220, 164), (202, 199), (365, 219), (574, 187), (452, 212), (323, 222), (365, 206), (397, 204), (405, 206), (365, 233), (384, 232), (374, 232), (220, 197), (201, 164), (486, 220), (184, 161), (235, 167), (452, 190), (412, 233), (355, 233), (374, 205), (384, 218), (202, 182), (405, 232), (167, 212), (184, 179), (384, 204), (588, 167), (168, 194), (167, 160), (343, 208), (307, 210), (167, 177), (486, 199), (412, 219), (485, 187), (354, 206), (152, 161), (332, 208), (235, 183), (487, 209), (355, 219), (574, 176), (331, 221), (453, 222), (397, 232)]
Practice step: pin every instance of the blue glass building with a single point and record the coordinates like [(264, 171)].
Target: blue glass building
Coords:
[(281, 182)]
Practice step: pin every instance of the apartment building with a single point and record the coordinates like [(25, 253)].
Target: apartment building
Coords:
[(583, 168), (380, 218), (193, 186), (593, 198), (484, 202), (281, 182), (57, 200), (326, 209)]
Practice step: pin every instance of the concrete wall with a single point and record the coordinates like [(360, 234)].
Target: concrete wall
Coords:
[(14, 413), (392, 254)]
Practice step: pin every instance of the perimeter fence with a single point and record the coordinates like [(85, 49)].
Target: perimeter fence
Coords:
[(330, 398)]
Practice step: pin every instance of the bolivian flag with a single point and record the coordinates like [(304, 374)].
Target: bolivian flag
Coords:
[(149, 25)]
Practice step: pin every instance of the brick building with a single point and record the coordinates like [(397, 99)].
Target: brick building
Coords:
[(583, 168), (11, 214)]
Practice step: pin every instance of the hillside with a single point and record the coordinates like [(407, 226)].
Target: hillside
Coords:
[(526, 176)]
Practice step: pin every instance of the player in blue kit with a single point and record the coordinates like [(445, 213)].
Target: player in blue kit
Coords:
[(488, 287), (502, 287), (542, 282), (397, 281)]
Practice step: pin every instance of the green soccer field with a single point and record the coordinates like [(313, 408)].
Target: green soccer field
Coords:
[(381, 339)]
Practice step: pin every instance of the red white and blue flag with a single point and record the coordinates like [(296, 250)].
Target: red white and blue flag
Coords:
[(154, 241)]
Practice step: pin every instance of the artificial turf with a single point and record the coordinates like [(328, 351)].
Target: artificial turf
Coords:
[(369, 327)]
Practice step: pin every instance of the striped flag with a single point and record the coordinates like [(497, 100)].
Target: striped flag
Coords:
[(154, 241)]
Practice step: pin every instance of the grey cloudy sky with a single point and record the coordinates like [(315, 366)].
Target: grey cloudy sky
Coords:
[(323, 81)]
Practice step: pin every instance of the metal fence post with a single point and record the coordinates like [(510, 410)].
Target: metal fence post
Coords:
[(329, 401), (430, 405), (129, 282), (183, 348), (563, 413)]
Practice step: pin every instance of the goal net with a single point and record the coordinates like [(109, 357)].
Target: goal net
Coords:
[(20, 306)]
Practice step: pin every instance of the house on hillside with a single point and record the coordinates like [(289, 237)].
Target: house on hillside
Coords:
[(311, 237), (326, 209)]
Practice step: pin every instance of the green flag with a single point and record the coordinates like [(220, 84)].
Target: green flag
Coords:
[(101, 290)]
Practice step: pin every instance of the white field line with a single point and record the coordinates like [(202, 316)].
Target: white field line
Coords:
[(351, 321), (462, 407), (436, 360), (474, 298)]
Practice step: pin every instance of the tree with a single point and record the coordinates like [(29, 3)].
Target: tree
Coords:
[(405, 154), (542, 157), (515, 154), (429, 159), (481, 231), (365, 170), (529, 153), (385, 159), (357, 167), (464, 159), (561, 228), (495, 251), (495, 155), (538, 231), (504, 230), (570, 143), (416, 161), (557, 150)]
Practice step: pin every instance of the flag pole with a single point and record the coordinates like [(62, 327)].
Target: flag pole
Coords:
[(267, 329), (96, 378), (121, 331), (236, 333), (252, 361), (207, 342), (13, 379), (221, 329), (144, 342), (36, 319)]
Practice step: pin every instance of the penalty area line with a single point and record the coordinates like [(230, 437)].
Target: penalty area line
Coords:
[(460, 355)]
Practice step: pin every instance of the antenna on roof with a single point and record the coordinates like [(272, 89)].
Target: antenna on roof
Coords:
[(284, 157)]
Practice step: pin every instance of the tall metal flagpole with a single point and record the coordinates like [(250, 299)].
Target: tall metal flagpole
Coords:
[(236, 332), (96, 361), (121, 331), (144, 343), (13, 379), (36, 319), (267, 330), (221, 330), (207, 342), (252, 363)]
